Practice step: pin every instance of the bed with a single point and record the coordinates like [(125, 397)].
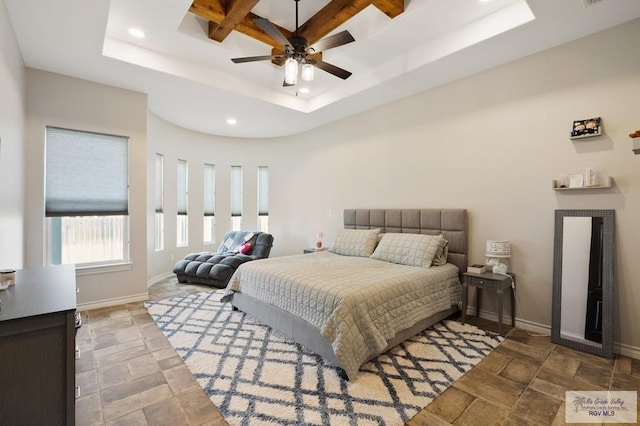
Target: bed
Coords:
[(350, 306)]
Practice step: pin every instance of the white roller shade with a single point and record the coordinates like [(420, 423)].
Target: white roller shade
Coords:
[(236, 191), (87, 174), (263, 191), (159, 184), (181, 179), (209, 190)]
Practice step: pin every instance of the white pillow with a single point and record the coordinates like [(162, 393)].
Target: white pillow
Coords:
[(408, 249), (355, 242)]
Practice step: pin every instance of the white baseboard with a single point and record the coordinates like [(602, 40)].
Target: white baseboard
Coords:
[(530, 326), (537, 328), (626, 350), (142, 297), (159, 278)]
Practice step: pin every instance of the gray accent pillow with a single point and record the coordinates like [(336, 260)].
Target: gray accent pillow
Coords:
[(441, 254), (355, 242), (408, 249)]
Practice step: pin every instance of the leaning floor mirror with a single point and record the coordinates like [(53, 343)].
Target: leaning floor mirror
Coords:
[(583, 280)]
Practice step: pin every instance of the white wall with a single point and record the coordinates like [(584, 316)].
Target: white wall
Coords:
[(490, 143), (57, 100), (12, 93)]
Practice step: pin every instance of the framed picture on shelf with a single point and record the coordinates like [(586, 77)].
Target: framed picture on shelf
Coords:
[(586, 128), (576, 181)]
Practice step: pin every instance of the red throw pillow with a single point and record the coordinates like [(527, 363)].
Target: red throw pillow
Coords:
[(245, 248)]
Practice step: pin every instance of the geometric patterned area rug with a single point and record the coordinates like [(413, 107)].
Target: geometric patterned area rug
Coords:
[(255, 375)]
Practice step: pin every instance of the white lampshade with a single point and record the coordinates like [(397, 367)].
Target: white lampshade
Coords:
[(497, 248), (291, 71), (307, 72)]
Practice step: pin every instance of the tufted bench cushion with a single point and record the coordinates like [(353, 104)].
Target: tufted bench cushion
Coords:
[(217, 268)]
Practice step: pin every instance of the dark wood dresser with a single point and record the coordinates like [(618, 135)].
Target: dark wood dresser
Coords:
[(37, 348)]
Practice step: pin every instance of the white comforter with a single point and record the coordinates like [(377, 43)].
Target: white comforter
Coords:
[(357, 303)]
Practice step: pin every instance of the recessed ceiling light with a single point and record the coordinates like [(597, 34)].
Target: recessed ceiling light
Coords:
[(304, 90), (136, 32), (232, 121)]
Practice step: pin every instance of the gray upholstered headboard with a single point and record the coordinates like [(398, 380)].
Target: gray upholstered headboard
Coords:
[(451, 223)]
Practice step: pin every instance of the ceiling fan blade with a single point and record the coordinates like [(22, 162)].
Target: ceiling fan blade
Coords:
[(343, 37), (255, 58), (273, 32), (332, 69)]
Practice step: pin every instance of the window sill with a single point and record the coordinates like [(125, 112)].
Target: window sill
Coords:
[(101, 269)]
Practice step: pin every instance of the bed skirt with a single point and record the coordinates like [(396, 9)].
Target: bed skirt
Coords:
[(310, 336)]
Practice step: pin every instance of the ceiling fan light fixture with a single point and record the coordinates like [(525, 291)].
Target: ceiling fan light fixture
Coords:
[(307, 72), (291, 71), (296, 51)]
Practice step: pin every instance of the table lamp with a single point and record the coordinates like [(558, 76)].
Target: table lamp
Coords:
[(495, 250)]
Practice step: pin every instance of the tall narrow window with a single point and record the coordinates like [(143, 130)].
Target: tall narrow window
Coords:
[(209, 227), (236, 198), (159, 203), (86, 197), (182, 221), (263, 198)]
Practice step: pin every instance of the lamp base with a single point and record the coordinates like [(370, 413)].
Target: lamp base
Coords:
[(500, 268)]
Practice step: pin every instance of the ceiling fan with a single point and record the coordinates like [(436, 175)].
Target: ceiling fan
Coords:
[(298, 52)]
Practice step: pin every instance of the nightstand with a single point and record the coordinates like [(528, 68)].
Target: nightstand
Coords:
[(313, 250), (489, 281)]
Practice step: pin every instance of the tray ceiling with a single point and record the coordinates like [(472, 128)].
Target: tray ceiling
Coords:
[(401, 48)]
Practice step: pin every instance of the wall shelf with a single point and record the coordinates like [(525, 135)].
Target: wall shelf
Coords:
[(607, 182)]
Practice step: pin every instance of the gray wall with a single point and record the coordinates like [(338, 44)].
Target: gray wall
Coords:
[(67, 102), (491, 143), (11, 147)]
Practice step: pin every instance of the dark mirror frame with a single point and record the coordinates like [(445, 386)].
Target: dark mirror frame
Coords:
[(608, 281)]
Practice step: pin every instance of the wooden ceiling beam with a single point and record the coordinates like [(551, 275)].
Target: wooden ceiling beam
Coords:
[(215, 12), (212, 10), (225, 16), (235, 12), (331, 17), (338, 12), (250, 28), (391, 8)]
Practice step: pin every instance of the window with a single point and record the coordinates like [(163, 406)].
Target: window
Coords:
[(236, 198), (209, 227), (263, 198), (182, 221), (159, 190), (86, 198)]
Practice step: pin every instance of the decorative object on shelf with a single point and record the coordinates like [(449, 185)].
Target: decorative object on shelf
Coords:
[(319, 238), (636, 141), (604, 183), (586, 128), (590, 177), (562, 182), (476, 268), (576, 181), (496, 250)]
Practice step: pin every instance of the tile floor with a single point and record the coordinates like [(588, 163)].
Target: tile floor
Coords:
[(130, 375)]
